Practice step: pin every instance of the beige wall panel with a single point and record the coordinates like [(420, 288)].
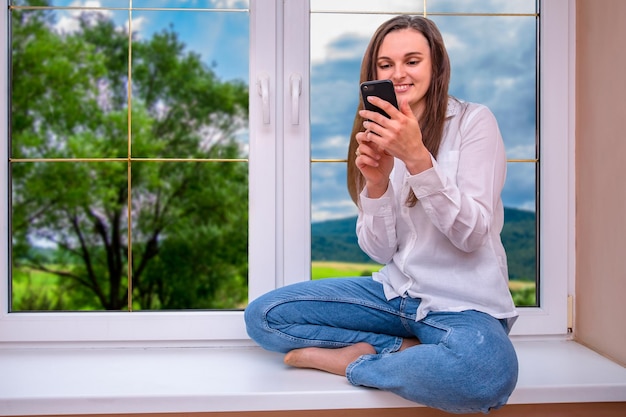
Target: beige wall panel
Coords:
[(601, 177)]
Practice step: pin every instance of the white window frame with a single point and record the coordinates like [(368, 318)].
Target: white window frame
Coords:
[(556, 214), (280, 194)]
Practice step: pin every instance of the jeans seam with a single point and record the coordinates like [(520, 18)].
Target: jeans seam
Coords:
[(404, 317), (355, 301), (352, 365), (287, 336)]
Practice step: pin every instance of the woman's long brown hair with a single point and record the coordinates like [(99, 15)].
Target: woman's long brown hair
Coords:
[(432, 120)]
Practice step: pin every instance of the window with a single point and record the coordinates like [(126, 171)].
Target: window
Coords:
[(280, 202), (502, 34), (127, 147), (486, 68)]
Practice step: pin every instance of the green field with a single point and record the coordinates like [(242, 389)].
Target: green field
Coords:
[(341, 269), (36, 290)]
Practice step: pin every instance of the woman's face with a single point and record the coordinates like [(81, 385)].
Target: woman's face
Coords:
[(404, 58)]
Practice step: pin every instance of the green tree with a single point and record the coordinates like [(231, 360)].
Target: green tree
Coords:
[(70, 99)]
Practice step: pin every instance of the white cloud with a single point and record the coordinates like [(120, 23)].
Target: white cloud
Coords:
[(230, 4), (326, 29), (334, 209), (137, 24), (67, 24), (69, 20), (521, 152), (453, 42), (332, 142)]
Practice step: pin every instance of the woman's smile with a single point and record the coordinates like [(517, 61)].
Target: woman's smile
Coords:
[(401, 88)]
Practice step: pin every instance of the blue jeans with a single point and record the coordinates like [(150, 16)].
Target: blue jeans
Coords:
[(466, 362)]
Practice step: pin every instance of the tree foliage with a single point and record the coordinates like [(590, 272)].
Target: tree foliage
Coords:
[(188, 220)]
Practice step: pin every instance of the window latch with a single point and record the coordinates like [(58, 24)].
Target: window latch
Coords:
[(263, 87), (295, 88)]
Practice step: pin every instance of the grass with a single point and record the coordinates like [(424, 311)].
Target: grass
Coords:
[(341, 269), (36, 290), (520, 285)]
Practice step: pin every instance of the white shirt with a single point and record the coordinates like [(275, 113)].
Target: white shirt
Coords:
[(445, 250)]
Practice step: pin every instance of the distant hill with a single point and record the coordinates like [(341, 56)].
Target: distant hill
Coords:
[(335, 240)]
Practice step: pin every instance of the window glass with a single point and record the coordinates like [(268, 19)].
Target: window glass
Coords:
[(73, 4), (479, 6), (129, 147), (424, 6), (140, 148), (493, 48), (199, 5)]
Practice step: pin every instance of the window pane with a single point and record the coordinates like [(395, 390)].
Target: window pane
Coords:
[(329, 195), (152, 4), (190, 230), (186, 4), (519, 234), (88, 134), (493, 62), (497, 66), (63, 105), (187, 102), (367, 6), (335, 64), (428, 6), (74, 4), (481, 6), (69, 229)]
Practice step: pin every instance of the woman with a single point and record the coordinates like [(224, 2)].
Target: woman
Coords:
[(432, 325)]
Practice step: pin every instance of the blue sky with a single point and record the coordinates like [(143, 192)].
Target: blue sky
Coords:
[(493, 62)]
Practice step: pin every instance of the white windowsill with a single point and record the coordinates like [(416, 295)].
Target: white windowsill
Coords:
[(169, 380)]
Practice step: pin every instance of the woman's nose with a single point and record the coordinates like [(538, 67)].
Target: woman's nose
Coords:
[(398, 72)]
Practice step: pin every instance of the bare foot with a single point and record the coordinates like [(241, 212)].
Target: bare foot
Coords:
[(409, 342), (334, 361)]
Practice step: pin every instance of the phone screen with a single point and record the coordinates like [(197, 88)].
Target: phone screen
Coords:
[(380, 88)]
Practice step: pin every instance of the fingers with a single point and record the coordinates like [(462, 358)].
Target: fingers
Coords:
[(373, 117), (373, 163), (393, 112), (405, 108), (375, 132), (384, 105), (367, 153), (375, 123)]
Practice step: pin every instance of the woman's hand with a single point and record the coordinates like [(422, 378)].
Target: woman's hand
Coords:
[(375, 165), (399, 136)]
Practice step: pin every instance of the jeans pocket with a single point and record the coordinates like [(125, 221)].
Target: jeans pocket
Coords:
[(431, 331)]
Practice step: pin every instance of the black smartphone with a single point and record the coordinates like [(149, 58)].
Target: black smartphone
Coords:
[(379, 88)]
